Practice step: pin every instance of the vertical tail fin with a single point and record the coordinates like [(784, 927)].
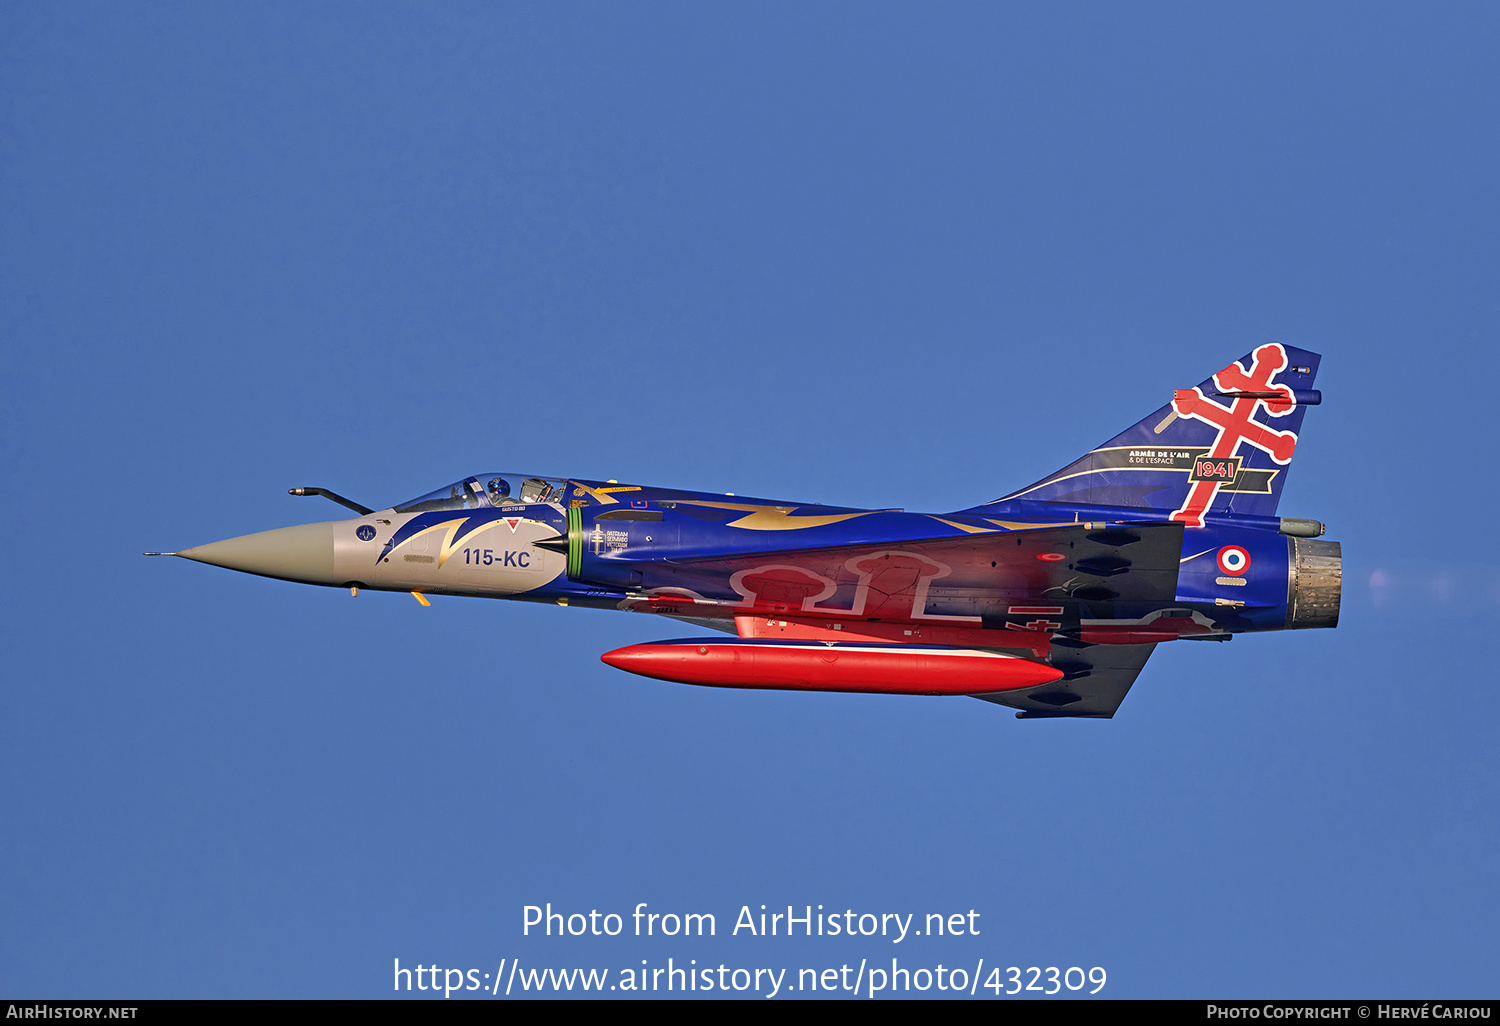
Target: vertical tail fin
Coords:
[(1223, 446)]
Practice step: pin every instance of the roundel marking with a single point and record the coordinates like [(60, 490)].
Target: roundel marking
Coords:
[(365, 532), (1233, 560), (1051, 557)]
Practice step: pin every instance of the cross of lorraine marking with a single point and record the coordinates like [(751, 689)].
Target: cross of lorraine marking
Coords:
[(1035, 625), (1235, 421)]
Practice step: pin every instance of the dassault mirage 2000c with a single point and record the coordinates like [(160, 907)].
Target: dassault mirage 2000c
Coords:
[(1048, 600)]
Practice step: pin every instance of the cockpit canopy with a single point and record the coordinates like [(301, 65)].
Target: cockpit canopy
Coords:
[(481, 490)]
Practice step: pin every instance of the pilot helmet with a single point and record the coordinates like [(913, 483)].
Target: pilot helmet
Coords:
[(499, 490)]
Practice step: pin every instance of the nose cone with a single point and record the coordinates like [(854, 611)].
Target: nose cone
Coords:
[(303, 553)]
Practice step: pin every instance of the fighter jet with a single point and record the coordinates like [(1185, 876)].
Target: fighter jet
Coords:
[(1048, 600)]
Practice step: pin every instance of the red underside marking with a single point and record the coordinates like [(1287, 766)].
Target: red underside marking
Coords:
[(919, 671), (667, 601), (1038, 642), (803, 629), (1153, 633)]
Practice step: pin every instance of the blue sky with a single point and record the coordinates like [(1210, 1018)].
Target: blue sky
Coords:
[(880, 255)]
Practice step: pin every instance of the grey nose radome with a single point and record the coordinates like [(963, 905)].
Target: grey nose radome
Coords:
[(303, 553)]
